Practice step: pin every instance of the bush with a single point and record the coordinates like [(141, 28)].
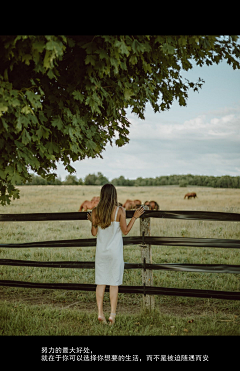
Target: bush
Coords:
[(71, 180), (92, 179), (183, 183)]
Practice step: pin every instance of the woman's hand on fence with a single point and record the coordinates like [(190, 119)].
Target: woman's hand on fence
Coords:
[(89, 216), (139, 212)]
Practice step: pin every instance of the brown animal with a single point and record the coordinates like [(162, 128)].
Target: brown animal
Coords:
[(89, 205), (153, 205), (129, 204), (190, 195)]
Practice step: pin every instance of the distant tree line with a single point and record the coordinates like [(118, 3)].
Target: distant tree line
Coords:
[(225, 181)]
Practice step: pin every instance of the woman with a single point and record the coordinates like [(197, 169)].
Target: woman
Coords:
[(108, 223)]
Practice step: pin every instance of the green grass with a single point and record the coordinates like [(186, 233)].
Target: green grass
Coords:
[(60, 312), (25, 320)]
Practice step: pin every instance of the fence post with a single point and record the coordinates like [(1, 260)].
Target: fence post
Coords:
[(146, 252)]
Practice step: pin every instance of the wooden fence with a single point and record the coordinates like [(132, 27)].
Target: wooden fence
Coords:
[(145, 241)]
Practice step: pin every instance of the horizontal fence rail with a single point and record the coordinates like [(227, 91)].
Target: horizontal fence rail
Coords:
[(151, 240), (207, 268), (188, 215), (145, 290), (142, 240)]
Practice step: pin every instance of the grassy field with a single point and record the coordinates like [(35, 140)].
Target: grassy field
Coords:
[(59, 312)]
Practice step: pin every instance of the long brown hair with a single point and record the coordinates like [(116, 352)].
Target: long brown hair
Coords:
[(104, 209)]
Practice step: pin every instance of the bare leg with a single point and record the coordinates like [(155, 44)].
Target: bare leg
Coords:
[(99, 296), (113, 300)]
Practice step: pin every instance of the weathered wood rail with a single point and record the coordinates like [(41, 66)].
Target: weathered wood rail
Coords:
[(144, 240)]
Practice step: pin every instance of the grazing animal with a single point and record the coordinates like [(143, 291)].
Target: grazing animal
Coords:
[(153, 205), (137, 203), (190, 195), (129, 204), (89, 205), (86, 205)]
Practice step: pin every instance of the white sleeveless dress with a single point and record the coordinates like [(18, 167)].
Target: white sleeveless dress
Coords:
[(109, 263)]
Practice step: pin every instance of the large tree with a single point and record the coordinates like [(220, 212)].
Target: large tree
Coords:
[(65, 97)]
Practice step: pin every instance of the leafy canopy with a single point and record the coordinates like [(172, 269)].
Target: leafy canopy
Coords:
[(65, 97)]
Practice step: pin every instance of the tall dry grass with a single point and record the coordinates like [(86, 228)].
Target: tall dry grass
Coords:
[(68, 198), (40, 199)]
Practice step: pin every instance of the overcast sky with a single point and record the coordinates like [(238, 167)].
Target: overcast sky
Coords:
[(202, 138)]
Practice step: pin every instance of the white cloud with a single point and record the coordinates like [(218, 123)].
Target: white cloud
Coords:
[(208, 144), (200, 127)]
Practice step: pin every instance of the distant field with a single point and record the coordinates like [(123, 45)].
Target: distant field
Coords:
[(37, 199)]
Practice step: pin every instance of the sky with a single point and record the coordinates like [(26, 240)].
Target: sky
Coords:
[(202, 138)]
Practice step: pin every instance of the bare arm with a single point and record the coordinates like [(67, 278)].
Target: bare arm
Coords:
[(91, 218), (123, 223)]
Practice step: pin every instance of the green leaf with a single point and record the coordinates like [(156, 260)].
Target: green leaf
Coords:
[(182, 101), (51, 74), (146, 67), (171, 49), (91, 145), (78, 96), (103, 54), (26, 58), (90, 48), (2, 174), (128, 93), (46, 132), (42, 117), (26, 110), (121, 141), (47, 62), (74, 147), (23, 121), (115, 63), (94, 101), (3, 108), (15, 102), (106, 70), (182, 40), (49, 147), (26, 138), (16, 178), (90, 59), (39, 45), (5, 125), (57, 122), (133, 59), (35, 163), (168, 49), (89, 82), (122, 47), (19, 167), (137, 47), (34, 99), (19, 125), (57, 47)]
